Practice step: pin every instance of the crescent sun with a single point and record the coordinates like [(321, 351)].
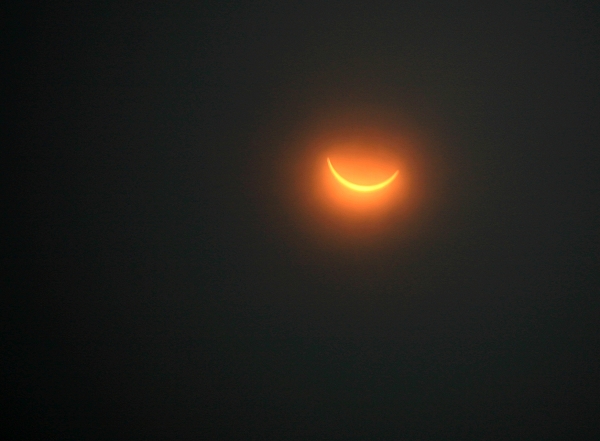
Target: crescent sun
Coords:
[(357, 187)]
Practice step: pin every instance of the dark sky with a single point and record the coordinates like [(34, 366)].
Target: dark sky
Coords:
[(160, 288)]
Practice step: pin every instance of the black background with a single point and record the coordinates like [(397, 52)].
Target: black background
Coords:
[(150, 297)]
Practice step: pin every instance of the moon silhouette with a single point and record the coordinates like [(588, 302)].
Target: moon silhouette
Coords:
[(361, 188)]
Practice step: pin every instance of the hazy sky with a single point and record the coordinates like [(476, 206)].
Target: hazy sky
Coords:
[(164, 279)]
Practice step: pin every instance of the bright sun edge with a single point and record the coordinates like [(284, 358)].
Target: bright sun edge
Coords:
[(357, 187)]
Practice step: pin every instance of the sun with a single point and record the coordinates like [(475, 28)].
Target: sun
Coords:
[(358, 187)]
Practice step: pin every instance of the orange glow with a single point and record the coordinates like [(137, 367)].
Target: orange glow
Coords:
[(349, 179), (357, 187)]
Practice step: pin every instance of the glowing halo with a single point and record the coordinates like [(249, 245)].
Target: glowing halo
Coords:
[(357, 187)]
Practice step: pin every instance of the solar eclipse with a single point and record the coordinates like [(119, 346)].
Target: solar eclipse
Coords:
[(358, 187), (347, 177)]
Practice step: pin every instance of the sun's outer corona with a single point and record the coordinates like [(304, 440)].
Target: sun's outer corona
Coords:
[(357, 187)]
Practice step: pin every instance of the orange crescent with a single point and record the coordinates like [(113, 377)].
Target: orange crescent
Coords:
[(357, 187)]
